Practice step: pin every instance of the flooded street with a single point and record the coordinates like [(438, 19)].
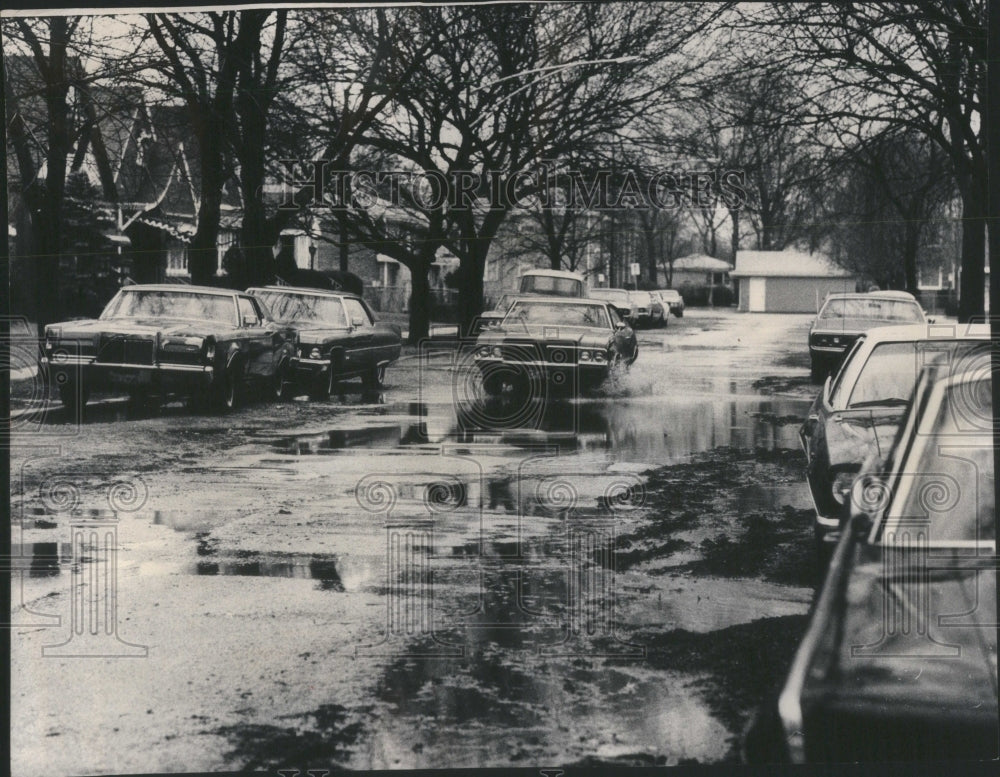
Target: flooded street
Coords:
[(423, 579)]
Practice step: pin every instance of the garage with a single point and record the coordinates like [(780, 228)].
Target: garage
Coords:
[(787, 281)]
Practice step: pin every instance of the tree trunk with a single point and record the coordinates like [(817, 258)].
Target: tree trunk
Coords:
[(420, 301), (972, 286), (734, 215), (344, 246), (203, 251)]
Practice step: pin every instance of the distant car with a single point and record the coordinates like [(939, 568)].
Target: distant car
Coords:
[(842, 319), (899, 661), (554, 283), (563, 343), (858, 411), (620, 298), (673, 300), (338, 336), (156, 340), (648, 309)]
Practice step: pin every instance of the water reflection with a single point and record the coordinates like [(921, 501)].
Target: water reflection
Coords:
[(662, 431)]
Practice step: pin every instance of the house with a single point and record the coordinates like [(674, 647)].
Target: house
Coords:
[(788, 281), (698, 270)]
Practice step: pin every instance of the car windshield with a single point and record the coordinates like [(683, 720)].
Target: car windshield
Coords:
[(670, 294), (950, 478), (872, 309), (890, 372), (548, 284), (527, 312), (304, 308), (641, 297), (143, 303), (618, 296)]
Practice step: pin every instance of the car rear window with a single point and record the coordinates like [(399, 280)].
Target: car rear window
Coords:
[(873, 309)]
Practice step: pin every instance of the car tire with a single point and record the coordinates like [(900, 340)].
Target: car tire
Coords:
[(374, 379), (74, 399), (322, 386), (282, 389), (679, 314), (141, 402), (492, 385), (229, 392), (817, 371)]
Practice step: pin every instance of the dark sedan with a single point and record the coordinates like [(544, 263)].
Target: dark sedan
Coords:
[(156, 340), (899, 661), (648, 309), (844, 317), (857, 412), (338, 337), (560, 343), (621, 299)]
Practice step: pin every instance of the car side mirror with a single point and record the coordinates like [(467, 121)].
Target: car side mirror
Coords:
[(357, 321), (247, 321), (620, 324), (826, 389)]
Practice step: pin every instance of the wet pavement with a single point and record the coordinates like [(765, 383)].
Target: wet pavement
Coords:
[(422, 578)]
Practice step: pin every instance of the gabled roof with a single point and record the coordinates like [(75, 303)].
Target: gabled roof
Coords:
[(701, 263), (789, 263)]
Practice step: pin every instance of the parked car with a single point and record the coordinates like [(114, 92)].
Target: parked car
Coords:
[(157, 340), (554, 283), (899, 661), (621, 299), (673, 300), (858, 411), (338, 337), (844, 317), (648, 309), (564, 343)]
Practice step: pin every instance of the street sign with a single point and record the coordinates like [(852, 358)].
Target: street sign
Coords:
[(635, 268)]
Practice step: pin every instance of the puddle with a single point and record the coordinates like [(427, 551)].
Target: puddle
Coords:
[(659, 431), (40, 559), (323, 570)]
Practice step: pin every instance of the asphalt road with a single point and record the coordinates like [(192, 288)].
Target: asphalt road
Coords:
[(417, 579)]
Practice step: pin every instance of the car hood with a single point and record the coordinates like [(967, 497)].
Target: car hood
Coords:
[(852, 326), (139, 327), (852, 436), (321, 334), (550, 333), (928, 645)]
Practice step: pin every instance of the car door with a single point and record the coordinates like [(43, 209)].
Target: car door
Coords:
[(358, 353), (385, 339), (257, 338)]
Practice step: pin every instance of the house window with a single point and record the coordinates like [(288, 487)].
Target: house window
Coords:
[(177, 260)]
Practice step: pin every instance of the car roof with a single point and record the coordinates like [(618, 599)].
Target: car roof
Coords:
[(896, 295), (180, 287), (559, 300), (931, 332), (627, 291), (554, 274), (303, 290)]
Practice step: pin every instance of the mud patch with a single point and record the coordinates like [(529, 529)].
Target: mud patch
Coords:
[(798, 385), (698, 498), (776, 548), (325, 740), (741, 664)]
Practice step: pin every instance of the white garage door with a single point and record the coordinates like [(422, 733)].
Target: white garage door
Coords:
[(757, 295)]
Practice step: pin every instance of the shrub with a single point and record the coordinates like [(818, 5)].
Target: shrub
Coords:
[(696, 295)]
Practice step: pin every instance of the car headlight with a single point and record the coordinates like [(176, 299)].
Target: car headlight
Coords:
[(841, 486), (600, 356), (483, 352), (496, 352), (585, 356), (209, 347), (315, 354)]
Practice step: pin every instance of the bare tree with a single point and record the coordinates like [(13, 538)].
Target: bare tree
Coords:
[(899, 64)]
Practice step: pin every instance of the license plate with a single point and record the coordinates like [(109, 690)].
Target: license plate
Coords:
[(127, 378)]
